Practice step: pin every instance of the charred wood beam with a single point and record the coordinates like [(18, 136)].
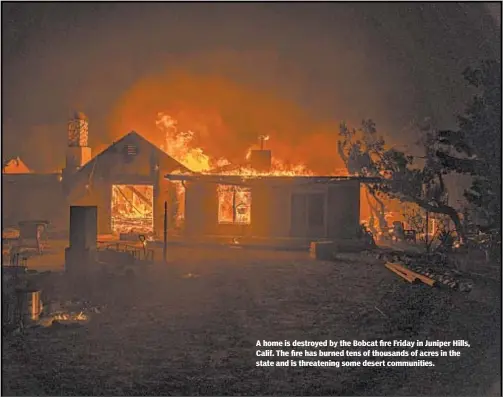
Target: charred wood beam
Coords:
[(140, 195), (127, 200)]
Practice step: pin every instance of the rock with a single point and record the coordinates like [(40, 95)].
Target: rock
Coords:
[(323, 250)]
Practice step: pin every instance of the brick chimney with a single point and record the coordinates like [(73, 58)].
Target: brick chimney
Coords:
[(78, 152)]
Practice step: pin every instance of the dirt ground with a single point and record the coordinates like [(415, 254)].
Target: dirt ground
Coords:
[(190, 328)]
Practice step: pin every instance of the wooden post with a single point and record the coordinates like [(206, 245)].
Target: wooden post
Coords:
[(233, 204), (165, 246), (427, 230)]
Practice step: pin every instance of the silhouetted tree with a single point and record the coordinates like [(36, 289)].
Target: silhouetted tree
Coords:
[(365, 154), (475, 147), (356, 149)]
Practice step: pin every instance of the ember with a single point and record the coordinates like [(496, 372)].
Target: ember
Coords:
[(67, 317)]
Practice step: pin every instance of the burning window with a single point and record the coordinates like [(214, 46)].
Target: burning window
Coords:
[(177, 204), (132, 209), (234, 205)]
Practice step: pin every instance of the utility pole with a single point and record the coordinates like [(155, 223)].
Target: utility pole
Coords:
[(165, 246)]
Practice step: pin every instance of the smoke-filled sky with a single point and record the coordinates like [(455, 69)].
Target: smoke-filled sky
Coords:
[(234, 71)]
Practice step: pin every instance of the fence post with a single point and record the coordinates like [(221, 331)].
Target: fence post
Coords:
[(165, 246)]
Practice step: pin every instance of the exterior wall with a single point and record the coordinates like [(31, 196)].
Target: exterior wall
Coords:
[(100, 195), (161, 194), (344, 209), (280, 212), (42, 197), (272, 214), (261, 211), (117, 167), (201, 209), (45, 197)]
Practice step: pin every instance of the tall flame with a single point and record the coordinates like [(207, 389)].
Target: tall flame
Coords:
[(180, 145)]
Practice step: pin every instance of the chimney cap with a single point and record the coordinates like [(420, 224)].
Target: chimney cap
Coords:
[(79, 116)]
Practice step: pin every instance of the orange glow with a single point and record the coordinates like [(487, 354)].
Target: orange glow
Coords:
[(16, 166), (206, 121), (224, 119), (180, 203), (68, 317), (179, 145), (234, 205), (132, 209)]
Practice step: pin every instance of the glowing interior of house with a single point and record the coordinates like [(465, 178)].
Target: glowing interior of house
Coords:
[(234, 205), (132, 208)]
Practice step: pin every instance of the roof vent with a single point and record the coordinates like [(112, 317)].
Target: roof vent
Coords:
[(129, 152)]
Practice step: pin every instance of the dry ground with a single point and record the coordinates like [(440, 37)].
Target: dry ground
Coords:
[(164, 333)]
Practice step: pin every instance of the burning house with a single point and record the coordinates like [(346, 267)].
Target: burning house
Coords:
[(124, 181), (260, 202), (271, 206), (130, 181)]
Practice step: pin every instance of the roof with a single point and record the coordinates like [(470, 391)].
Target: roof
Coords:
[(269, 179), (15, 166), (133, 138)]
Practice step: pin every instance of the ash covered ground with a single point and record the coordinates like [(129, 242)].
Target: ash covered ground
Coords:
[(190, 328)]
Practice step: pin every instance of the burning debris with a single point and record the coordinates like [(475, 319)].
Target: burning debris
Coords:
[(23, 304), (132, 209), (63, 319), (69, 313)]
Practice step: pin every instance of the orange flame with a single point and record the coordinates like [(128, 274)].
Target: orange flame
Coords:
[(180, 145)]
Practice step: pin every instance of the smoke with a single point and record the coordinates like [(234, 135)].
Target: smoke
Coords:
[(243, 69), (40, 152), (227, 117)]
